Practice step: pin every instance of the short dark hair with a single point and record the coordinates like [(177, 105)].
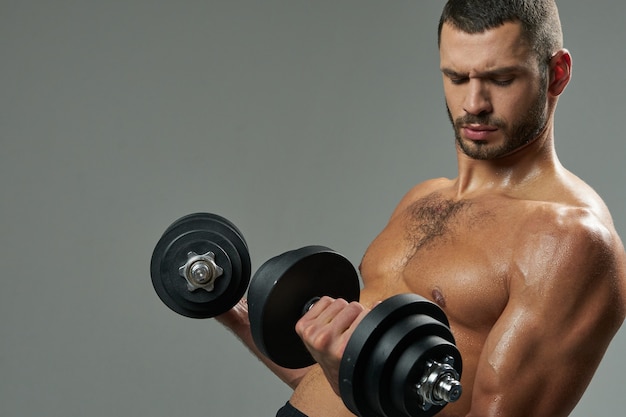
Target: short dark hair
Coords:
[(541, 26)]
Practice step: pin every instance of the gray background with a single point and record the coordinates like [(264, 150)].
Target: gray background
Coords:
[(304, 122)]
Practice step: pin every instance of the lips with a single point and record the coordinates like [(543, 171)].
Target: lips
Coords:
[(478, 132)]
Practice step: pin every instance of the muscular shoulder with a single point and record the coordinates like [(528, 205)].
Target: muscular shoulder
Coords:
[(567, 210), (546, 219), (570, 249), (571, 232)]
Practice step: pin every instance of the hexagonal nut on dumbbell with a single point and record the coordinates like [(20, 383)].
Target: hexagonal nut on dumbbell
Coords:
[(200, 271)]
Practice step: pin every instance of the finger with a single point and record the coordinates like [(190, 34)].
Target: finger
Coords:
[(331, 329), (364, 312), (319, 317), (318, 307), (344, 320)]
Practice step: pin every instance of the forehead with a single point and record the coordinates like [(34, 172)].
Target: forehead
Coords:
[(494, 48)]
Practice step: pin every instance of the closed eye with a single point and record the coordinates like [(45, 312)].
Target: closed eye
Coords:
[(458, 80), (502, 82)]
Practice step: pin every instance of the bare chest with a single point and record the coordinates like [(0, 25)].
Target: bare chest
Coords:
[(454, 253)]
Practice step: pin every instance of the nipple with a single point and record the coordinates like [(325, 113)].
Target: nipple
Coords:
[(438, 297)]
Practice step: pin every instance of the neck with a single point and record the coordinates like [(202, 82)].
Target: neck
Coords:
[(510, 173)]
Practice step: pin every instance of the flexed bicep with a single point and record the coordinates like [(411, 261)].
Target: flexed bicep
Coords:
[(563, 310)]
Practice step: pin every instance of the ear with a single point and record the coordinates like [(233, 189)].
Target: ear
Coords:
[(560, 71)]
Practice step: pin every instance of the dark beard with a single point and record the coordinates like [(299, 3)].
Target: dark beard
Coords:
[(517, 136)]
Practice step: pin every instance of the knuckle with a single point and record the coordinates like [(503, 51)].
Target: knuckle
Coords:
[(321, 341), (356, 306), (301, 327), (354, 309)]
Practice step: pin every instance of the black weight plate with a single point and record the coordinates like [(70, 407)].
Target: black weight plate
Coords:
[(200, 233), (280, 290), (384, 356), (410, 368), (355, 360), (211, 218)]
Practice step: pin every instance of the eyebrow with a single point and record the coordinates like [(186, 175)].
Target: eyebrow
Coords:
[(484, 74)]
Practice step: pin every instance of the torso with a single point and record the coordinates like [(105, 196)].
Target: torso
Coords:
[(457, 253)]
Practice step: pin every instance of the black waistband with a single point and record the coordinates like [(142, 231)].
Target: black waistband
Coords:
[(290, 411)]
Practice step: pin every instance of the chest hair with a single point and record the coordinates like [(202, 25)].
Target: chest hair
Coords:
[(434, 219)]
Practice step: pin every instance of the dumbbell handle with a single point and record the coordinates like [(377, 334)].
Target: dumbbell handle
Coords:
[(309, 305)]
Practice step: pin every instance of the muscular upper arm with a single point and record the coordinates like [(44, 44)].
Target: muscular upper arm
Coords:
[(566, 302)]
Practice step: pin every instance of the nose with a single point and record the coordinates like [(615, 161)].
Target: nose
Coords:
[(477, 100)]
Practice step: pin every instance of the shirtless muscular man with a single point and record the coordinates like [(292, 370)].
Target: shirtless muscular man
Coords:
[(520, 253)]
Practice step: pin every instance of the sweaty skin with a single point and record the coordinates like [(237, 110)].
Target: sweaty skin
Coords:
[(521, 254), (532, 308)]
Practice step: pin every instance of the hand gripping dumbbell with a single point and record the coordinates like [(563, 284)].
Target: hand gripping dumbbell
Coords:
[(401, 359)]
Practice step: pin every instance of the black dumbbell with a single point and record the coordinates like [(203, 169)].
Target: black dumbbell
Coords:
[(401, 359), (200, 267)]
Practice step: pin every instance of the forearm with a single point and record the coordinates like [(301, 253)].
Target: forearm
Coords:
[(236, 320)]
